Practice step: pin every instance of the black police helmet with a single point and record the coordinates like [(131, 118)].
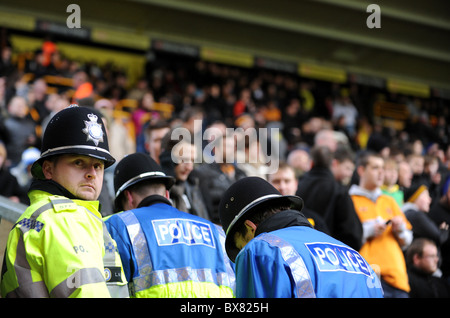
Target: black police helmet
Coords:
[(242, 199), (134, 168), (74, 130)]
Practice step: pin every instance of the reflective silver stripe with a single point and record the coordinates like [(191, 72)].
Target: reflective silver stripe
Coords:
[(83, 276), (75, 147), (117, 289), (147, 278), (230, 272), (26, 287), (138, 241), (300, 274), (142, 175), (177, 275), (144, 264)]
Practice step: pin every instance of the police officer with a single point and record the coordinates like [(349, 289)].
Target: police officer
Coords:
[(60, 246), (165, 252), (279, 255)]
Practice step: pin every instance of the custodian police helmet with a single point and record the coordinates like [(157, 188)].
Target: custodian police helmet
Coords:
[(242, 199), (74, 130), (135, 168)]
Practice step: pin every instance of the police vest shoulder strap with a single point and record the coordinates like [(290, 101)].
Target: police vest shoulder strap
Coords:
[(298, 268), (139, 242)]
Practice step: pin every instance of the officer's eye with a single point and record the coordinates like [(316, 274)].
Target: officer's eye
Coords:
[(98, 166)]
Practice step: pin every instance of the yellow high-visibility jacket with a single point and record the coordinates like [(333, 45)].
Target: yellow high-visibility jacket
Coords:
[(61, 248)]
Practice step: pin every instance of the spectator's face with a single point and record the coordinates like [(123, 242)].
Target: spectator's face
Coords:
[(154, 142), (372, 175), (429, 259), (80, 175), (284, 181), (404, 174), (186, 157), (423, 201)]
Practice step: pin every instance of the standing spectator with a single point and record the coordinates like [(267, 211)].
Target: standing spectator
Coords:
[(343, 165), (21, 129), (185, 194), (405, 175), (300, 160), (171, 253), (154, 132), (285, 181), (244, 104), (217, 176), (422, 260), (325, 196), (9, 185), (390, 183), (121, 142), (386, 231)]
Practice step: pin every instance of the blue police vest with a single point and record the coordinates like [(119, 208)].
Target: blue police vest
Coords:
[(283, 264), (160, 245)]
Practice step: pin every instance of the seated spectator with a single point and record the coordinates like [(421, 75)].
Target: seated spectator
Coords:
[(416, 208), (422, 262)]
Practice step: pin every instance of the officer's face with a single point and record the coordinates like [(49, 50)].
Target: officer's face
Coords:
[(80, 175)]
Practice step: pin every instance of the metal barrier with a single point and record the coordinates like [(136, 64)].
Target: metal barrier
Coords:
[(10, 210)]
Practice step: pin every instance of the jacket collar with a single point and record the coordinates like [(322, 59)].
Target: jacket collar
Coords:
[(282, 220), (359, 191), (51, 187), (153, 199)]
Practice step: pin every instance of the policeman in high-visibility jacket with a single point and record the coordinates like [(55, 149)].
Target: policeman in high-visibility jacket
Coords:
[(165, 252), (279, 255), (60, 246)]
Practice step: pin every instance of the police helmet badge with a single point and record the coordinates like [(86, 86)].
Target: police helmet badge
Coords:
[(93, 130)]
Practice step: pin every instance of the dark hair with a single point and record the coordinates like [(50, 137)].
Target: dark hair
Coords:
[(363, 159), (322, 156), (416, 248), (258, 217)]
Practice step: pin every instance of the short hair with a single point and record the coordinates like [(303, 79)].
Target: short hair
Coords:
[(259, 216), (343, 154), (144, 188), (363, 159), (416, 248), (322, 156)]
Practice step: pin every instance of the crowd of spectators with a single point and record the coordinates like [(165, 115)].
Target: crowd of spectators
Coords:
[(308, 113)]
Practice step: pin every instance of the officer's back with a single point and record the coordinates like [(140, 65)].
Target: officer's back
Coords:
[(165, 252)]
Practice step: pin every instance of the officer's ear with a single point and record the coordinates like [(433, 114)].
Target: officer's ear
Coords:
[(47, 169), (251, 227)]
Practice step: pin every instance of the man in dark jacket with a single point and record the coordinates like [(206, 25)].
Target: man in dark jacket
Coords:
[(422, 260), (324, 195), (185, 194), (216, 177), (440, 213)]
